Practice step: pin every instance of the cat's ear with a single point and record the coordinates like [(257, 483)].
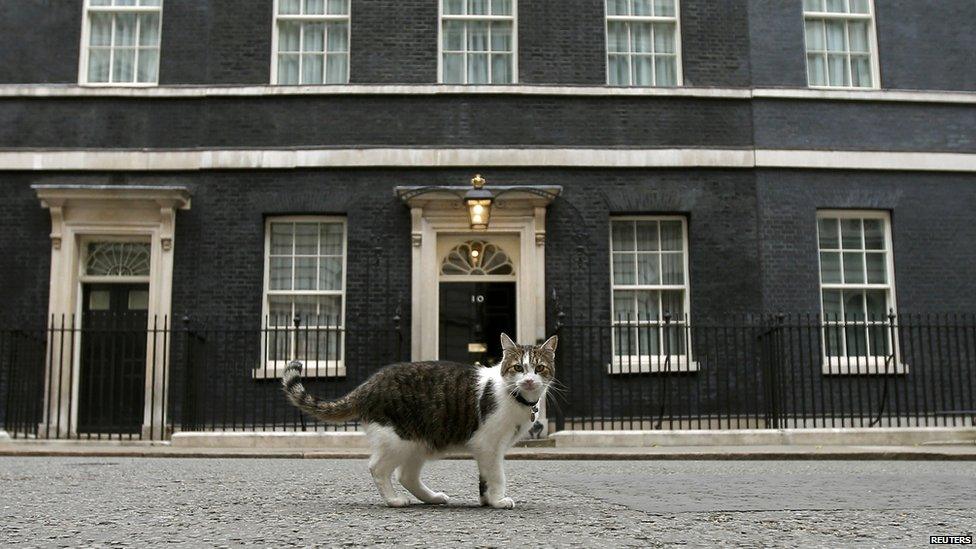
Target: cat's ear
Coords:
[(550, 344), (507, 343)]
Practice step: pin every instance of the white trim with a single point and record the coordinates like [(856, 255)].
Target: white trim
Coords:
[(679, 72), (267, 159), (440, 44), (158, 92), (302, 18), (873, 55), (324, 368)]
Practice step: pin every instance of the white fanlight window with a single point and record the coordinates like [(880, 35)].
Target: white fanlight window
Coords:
[(310, 40), (305, 265), (857, 291), (649, 280), (643, 43), (478, 42), (120, 42), (841, 44)]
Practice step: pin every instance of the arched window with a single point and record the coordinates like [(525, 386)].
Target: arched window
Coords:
[(477, 257)]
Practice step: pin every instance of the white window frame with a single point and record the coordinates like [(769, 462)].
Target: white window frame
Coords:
[(861, 364), (607, 18), (276, 17), (85, 46), (872, 43), (270, 368), (441, 17), (673, 362)]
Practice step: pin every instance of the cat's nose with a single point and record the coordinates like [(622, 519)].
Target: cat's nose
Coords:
[(528, 384)]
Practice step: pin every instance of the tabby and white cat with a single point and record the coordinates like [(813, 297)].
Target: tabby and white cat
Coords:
[(414, 412)]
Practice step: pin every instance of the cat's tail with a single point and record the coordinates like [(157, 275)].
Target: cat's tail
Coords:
[(335, 411)]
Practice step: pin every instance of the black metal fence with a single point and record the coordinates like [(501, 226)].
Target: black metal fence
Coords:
[(123, 381), (767, 372)]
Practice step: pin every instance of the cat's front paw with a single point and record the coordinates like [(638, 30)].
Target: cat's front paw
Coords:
[(504, 503), (439, 498), (398, 501)]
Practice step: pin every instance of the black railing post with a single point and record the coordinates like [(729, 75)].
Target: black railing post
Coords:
[(398, 334), (187, 413)]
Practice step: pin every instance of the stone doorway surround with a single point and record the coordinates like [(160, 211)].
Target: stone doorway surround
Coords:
[(80, 214), (440, 212)]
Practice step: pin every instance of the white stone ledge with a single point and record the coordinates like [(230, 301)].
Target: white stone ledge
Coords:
[(260, 439), (265, 159), (881, 436), (73, 90)]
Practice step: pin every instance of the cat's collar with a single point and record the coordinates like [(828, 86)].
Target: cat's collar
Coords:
[(521, 399)]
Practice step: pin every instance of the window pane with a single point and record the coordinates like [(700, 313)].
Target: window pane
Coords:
[(453, 36), (836, 6), (289, 36), (123, 69), (101, 29), (331, 238), (337, 68), (649, 339), (617, 40), (665, 72), (648, 270), (125, 29), (306, 238), (827, 232), (853, 305), (623, 236), (856, 340), (861, 71), (477, 7), (501, 7), (148, 65), (98, 61), (101, 2), (858, 36), (831, 306), (664, 8), (307, 309), (338, 37), (830, 267), (646, 236), (501, 69), (454, 68), (877, 273), (643, 70), (647, 305), (501, 36), (623, 268), (330, 309), (854, 268), (279, 311), (877, 304), (673, 268), (315, 7), (816, 70), (314, 37), (289, 7), (619, 70), (149, 29), (624, 305), (850, 232), (671, 237), (288, 69), (834, 341), (338, 7), (673, 302), (330, 273), (812, 5), (814, 35), (879, 335), (664, 38), (478, 68), (280, 278), (860, 6), (477, 36), (835, 35), (642, 7), (640, 37), (306, 269), (281, 238), (125, 2), (625, 341), (617, 7), (312, 68), (873, 234), (454, 7)]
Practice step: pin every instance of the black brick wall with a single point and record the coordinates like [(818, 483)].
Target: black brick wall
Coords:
[(927, 44), (393, 42), (562, 42), (776, 43), (715, 43), (39, 41)]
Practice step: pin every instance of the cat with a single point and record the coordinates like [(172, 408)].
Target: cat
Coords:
[(414, 412)]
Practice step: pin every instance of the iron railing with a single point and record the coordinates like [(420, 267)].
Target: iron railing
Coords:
[(123, 381)]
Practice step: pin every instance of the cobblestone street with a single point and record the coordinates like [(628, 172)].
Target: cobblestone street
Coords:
[(277, 502)]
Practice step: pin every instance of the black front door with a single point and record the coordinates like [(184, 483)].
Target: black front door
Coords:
[(112, 378), (472, 316)]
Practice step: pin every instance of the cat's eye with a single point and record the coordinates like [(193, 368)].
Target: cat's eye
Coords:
[(517, 368), (539, 368)]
